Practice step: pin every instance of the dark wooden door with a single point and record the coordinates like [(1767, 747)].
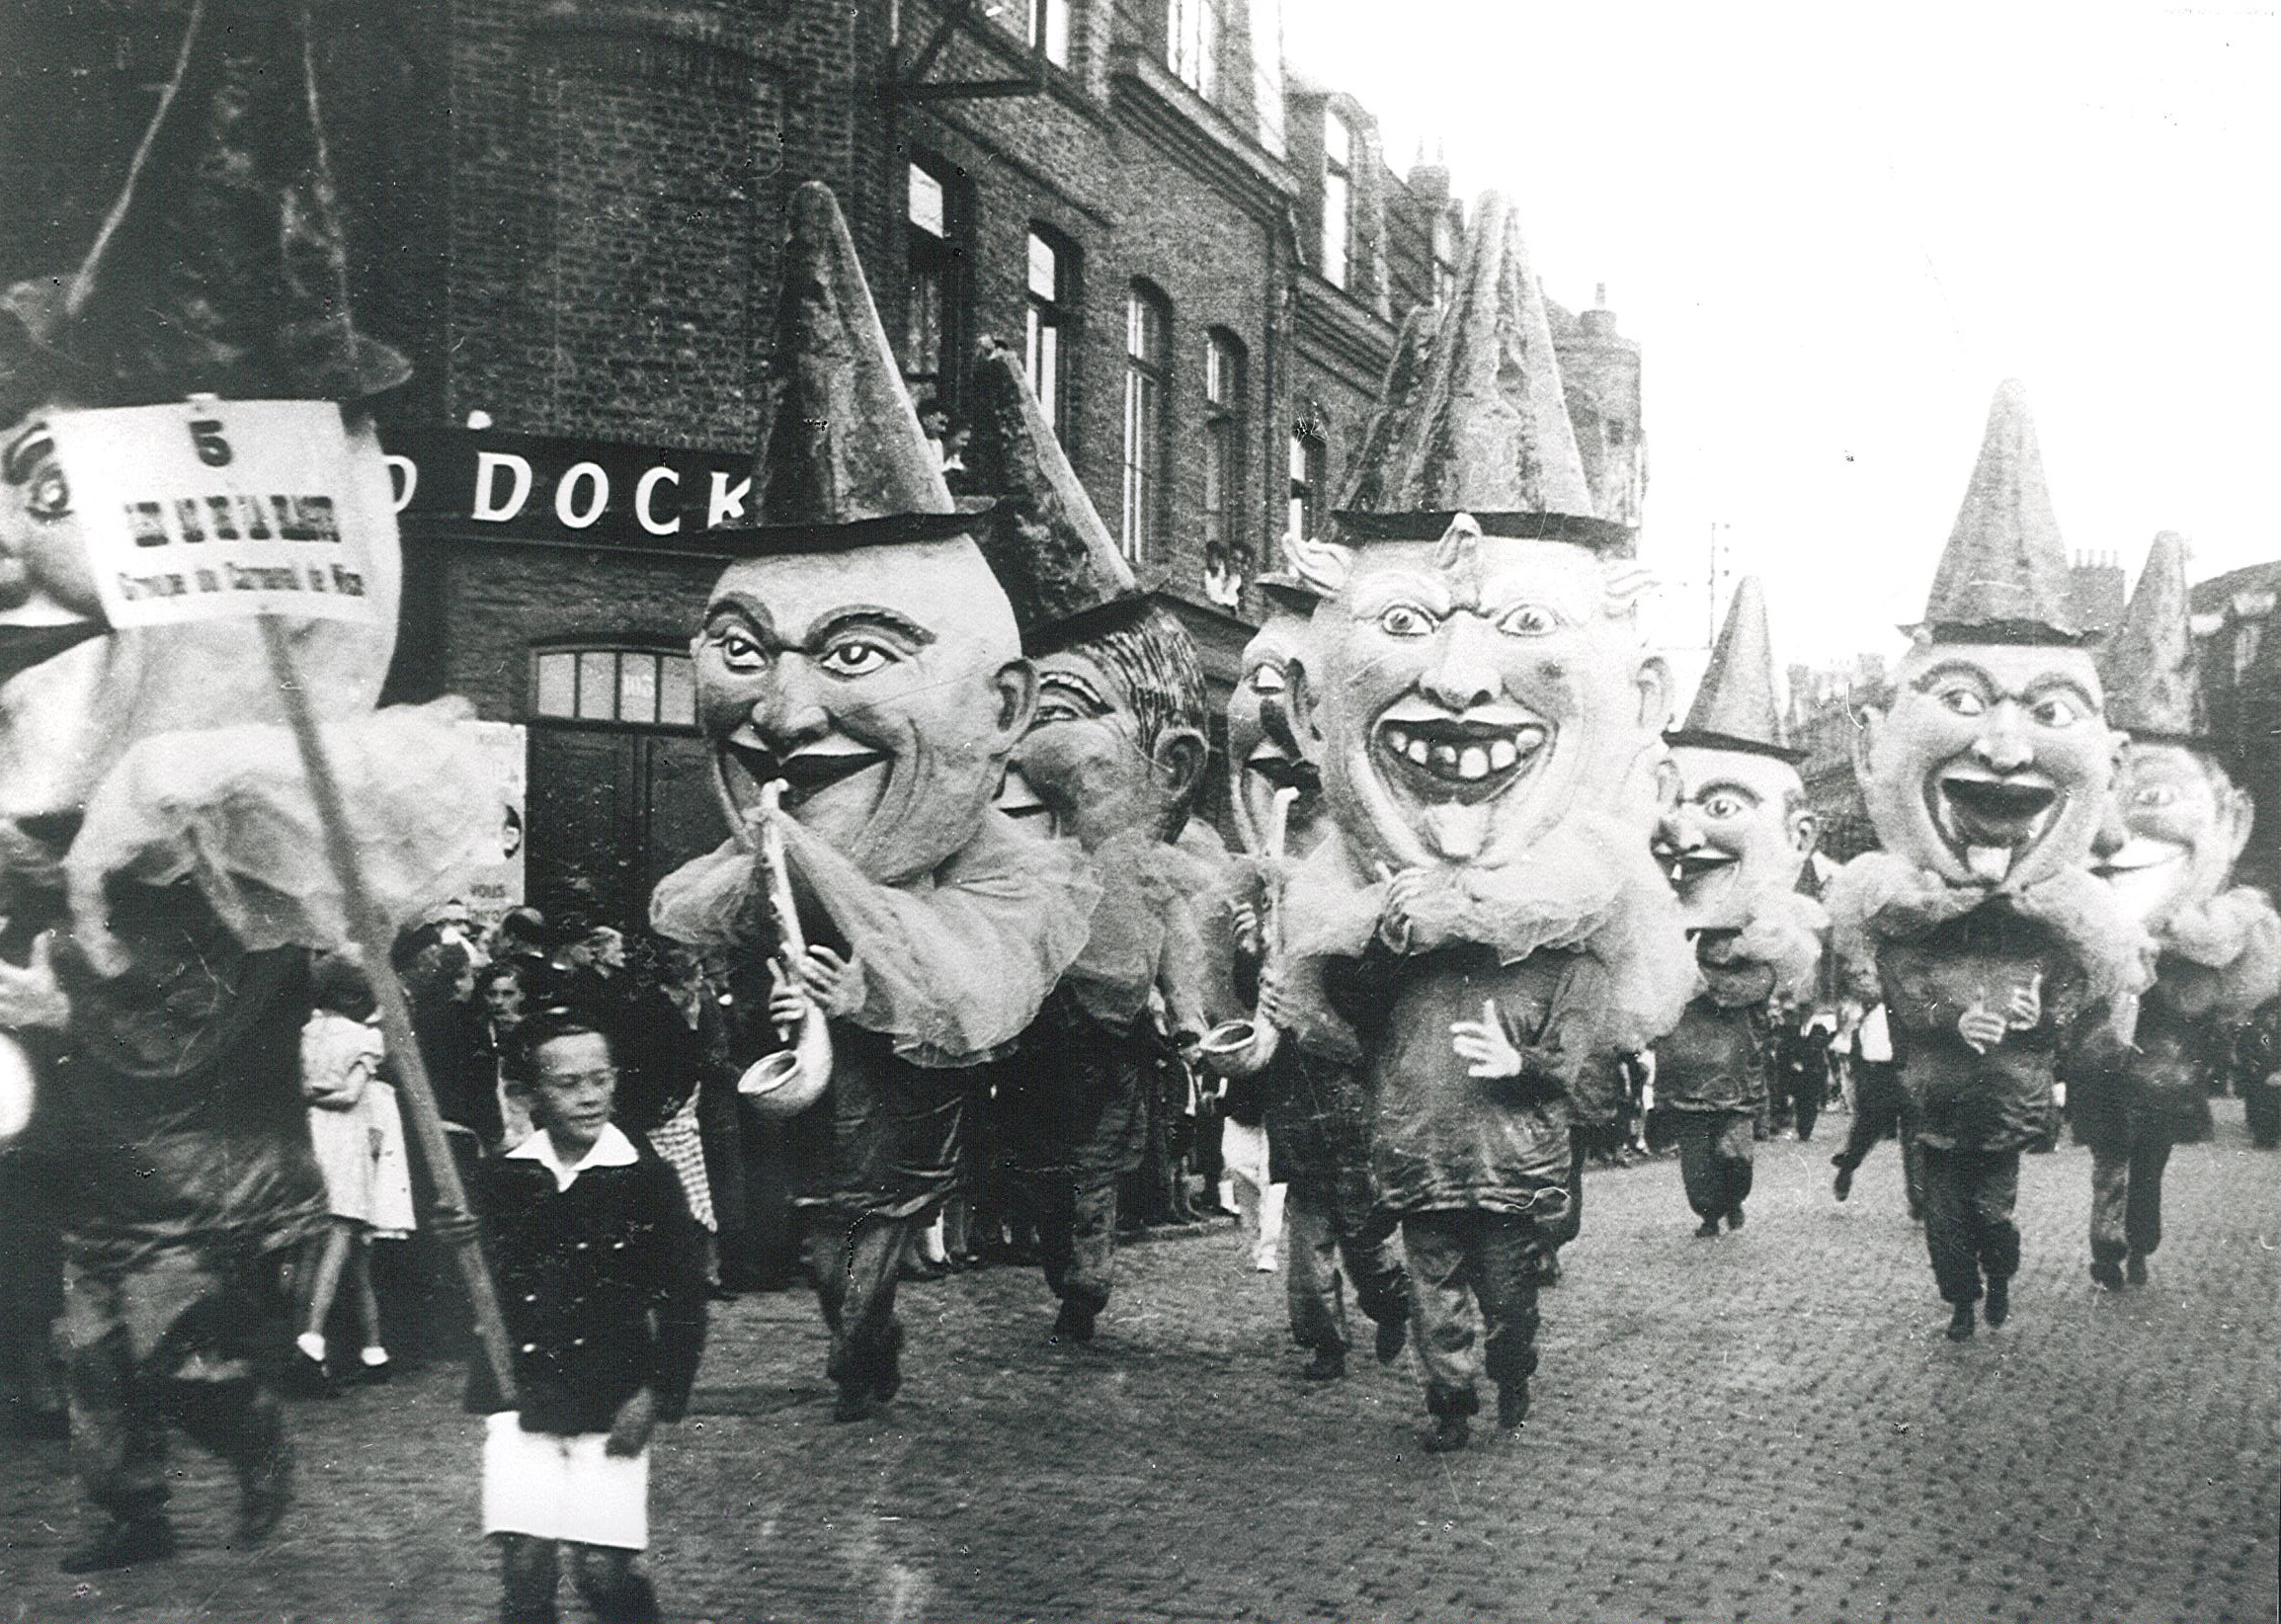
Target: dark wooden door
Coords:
[(611, 811)]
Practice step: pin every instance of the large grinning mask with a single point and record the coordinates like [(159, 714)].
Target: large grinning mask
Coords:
[(1741, 831), (1992, 763), (885, 685), (2188, 825), (1476, 693)]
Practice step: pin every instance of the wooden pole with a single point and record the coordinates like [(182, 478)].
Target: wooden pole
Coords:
[(371, 932)]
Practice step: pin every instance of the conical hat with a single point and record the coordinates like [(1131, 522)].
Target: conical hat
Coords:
[(221, 264), (2004, 577), (2153, 685), (1735, 708), (842, 461), (1484, 430), (1046, 542)]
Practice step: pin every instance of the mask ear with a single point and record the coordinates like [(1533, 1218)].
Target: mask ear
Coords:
[(1304, 710), (1654, 681), (1323, 565), (2237, 816), (1178, 762), (1805, 831), (1017, 686)]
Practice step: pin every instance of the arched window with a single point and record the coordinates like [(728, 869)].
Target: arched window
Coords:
[(1147, 377), (610, 682)]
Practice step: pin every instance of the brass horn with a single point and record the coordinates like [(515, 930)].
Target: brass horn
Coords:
[(787, 1080)]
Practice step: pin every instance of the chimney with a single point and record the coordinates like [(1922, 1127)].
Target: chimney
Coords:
[(1599, 323)]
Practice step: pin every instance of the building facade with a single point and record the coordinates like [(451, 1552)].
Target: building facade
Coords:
[(567, 213), (2239, 641)]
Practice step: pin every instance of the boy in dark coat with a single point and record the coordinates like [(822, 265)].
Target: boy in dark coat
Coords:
[(601, 1280)]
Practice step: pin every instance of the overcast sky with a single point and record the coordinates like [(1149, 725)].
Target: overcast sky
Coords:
[(1836, 227)]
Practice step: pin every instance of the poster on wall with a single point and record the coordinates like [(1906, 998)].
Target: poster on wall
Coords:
[(497, 885)]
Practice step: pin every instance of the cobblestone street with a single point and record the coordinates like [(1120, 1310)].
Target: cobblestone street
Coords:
[(1766, 1426)]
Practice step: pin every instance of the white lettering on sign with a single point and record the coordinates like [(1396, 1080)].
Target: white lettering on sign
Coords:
[(489, 506), (727, 501), (210, 509), (403, 480), (641, 496), (566, 506)]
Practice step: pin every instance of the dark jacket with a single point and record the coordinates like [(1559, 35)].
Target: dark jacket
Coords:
[(1318, 1122), (174, 1103), (2160, 1078), (1445, 1140), (1966, 1101), (601, 1287), (1714, 1060)]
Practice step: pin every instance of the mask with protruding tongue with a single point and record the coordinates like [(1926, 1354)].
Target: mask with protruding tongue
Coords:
[(1990, 820)]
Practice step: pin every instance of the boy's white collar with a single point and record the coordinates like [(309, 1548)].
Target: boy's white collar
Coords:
[(611, 1149)]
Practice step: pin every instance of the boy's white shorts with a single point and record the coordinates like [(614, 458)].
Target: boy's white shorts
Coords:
[(553, 1486)]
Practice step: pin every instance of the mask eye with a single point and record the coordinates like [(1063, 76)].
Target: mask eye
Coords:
[(855, 657), (48, 496), (2156, 796), (1267, 679), (2056, 712), (1405, 621), (1051, 707), (1961, 701), (1725, 804), (740, 651), (1527, 620)]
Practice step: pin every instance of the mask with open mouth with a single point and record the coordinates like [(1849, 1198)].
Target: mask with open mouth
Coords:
[(1741, 831), (1265, 742), (1470, 707), (884, 685), (1992, 763), (2188, 826)]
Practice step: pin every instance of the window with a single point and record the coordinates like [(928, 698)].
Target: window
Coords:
[(935, 323), (1147, 332), (2247, 637), (1192, 31), (640, 687), (1049, 30), (1224, 442), (1052, 310), (1444, 257), (1307, 474), (1338, 196)]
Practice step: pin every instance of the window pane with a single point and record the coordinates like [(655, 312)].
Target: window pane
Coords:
[(637, 687), (1334, 230), (1144, 329), (1045, 367), (597, 686), (557, 685), (1298, 465), (1053, 21), (1044, 269), (1337, 140), (923, 335), (927, 211), (1143, 447), (1216, 471), (677, 691)]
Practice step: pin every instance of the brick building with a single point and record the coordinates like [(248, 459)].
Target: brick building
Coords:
[(567, 213), (2241, 653)]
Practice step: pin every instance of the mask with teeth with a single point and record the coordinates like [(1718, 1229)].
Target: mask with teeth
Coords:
[(2187, 824), (1991, 762), (884, 684), (1741, 831), (1474, 698)]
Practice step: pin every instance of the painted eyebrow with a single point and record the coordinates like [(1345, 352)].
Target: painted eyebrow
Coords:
[(1727, 787), (17, 463), (863, 615), (1074, 683), (737, 606), (1925, 682)]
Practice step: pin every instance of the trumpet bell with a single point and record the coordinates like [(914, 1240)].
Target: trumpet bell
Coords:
[(781, 1085)]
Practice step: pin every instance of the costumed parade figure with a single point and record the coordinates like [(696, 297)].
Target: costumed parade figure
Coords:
[(1987, 777), (161, 870), (2219, 946), (1735, 846), (1316, 1105), (859, 661), (1485, 918), (1110, 766)]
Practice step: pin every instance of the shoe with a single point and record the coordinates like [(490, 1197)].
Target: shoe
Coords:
[(1960, 1324), (1263, 1265), (2107, 1274), (720, 1291), (1998, 1309), (307, 1377), (374, 1371), (1735, 1216), (1074, 1323), (1393, 1337), (145, 1539), (1512, 1404), (2135, 1269), (1451, 1433), (1707, 1230), (854, 1403), (265, 1494), (887, 1378), (920, 1268), (1328, 1365), (1842, 1185)]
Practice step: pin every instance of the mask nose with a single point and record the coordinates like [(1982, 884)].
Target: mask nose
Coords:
[(1464, 675), (2003, 745), (789, 712)]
